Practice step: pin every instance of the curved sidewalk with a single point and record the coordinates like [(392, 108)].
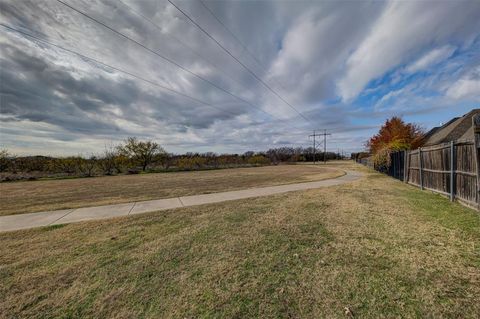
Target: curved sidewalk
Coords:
[(23, 221)]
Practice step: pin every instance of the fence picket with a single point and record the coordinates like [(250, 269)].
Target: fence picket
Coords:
[(476, 148), (451, 169), (420, 165)]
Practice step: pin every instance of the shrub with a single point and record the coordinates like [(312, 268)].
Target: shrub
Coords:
[(5, 160), (68, 165), (258, 160), (88, 166)]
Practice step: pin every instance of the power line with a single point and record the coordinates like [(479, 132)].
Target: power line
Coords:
[(231, 33), (240, 62), (165, 58), (181, 42), (194, 51), (245, 48), (113, 68), (116, 68)]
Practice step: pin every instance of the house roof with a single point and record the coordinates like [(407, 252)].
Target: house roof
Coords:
[(459, 128)]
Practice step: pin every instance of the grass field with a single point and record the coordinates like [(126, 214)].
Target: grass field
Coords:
[(372, 248), (35, 196)]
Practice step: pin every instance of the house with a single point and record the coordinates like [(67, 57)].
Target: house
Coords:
[(459, 128)]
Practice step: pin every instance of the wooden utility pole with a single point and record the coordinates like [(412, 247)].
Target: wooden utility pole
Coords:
[(324, 134)]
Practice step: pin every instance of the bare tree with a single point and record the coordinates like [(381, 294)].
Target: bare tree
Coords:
[(168, 160), (107, 161), (87, 165), (143, 152)]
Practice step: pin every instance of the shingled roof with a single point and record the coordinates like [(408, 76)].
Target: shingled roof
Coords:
[(459, 128)]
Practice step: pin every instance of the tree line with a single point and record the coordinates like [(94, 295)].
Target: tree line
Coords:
[(134, 156)]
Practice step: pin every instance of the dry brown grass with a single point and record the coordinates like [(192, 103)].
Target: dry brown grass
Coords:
[(376, 246), (27, 197)]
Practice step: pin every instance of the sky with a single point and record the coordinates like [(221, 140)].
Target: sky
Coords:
[(261, 74)]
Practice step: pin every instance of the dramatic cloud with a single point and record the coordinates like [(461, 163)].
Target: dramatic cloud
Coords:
[(315, 47), (345, 66), (403, 30)]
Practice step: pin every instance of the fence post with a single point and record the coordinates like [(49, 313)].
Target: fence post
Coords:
[(405, 166), (420, 170), (452, 171), (393, 157), (476, 148)]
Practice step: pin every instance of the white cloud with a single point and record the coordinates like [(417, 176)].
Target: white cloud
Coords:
[(465, 89), (315, 47), (431, 58), (390, 95), (402, 31)]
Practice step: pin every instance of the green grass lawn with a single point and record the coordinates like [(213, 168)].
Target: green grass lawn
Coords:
[(377, 247)]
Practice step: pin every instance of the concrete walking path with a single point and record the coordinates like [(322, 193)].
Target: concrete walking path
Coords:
[(23, 221)]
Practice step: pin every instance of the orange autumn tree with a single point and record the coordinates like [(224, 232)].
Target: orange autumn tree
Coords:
[(394, 135)]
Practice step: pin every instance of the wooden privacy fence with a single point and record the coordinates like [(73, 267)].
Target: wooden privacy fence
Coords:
[(449, 169)]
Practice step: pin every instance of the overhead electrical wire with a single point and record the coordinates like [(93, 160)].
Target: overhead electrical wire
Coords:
[(198, 54), (240, 62), (166, 58), (115, 68), (244, 47), (83, 56), (179, 41)]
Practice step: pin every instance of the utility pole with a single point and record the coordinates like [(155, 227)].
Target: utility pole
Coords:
[(324, 134), (314, 150), (325, 146)]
